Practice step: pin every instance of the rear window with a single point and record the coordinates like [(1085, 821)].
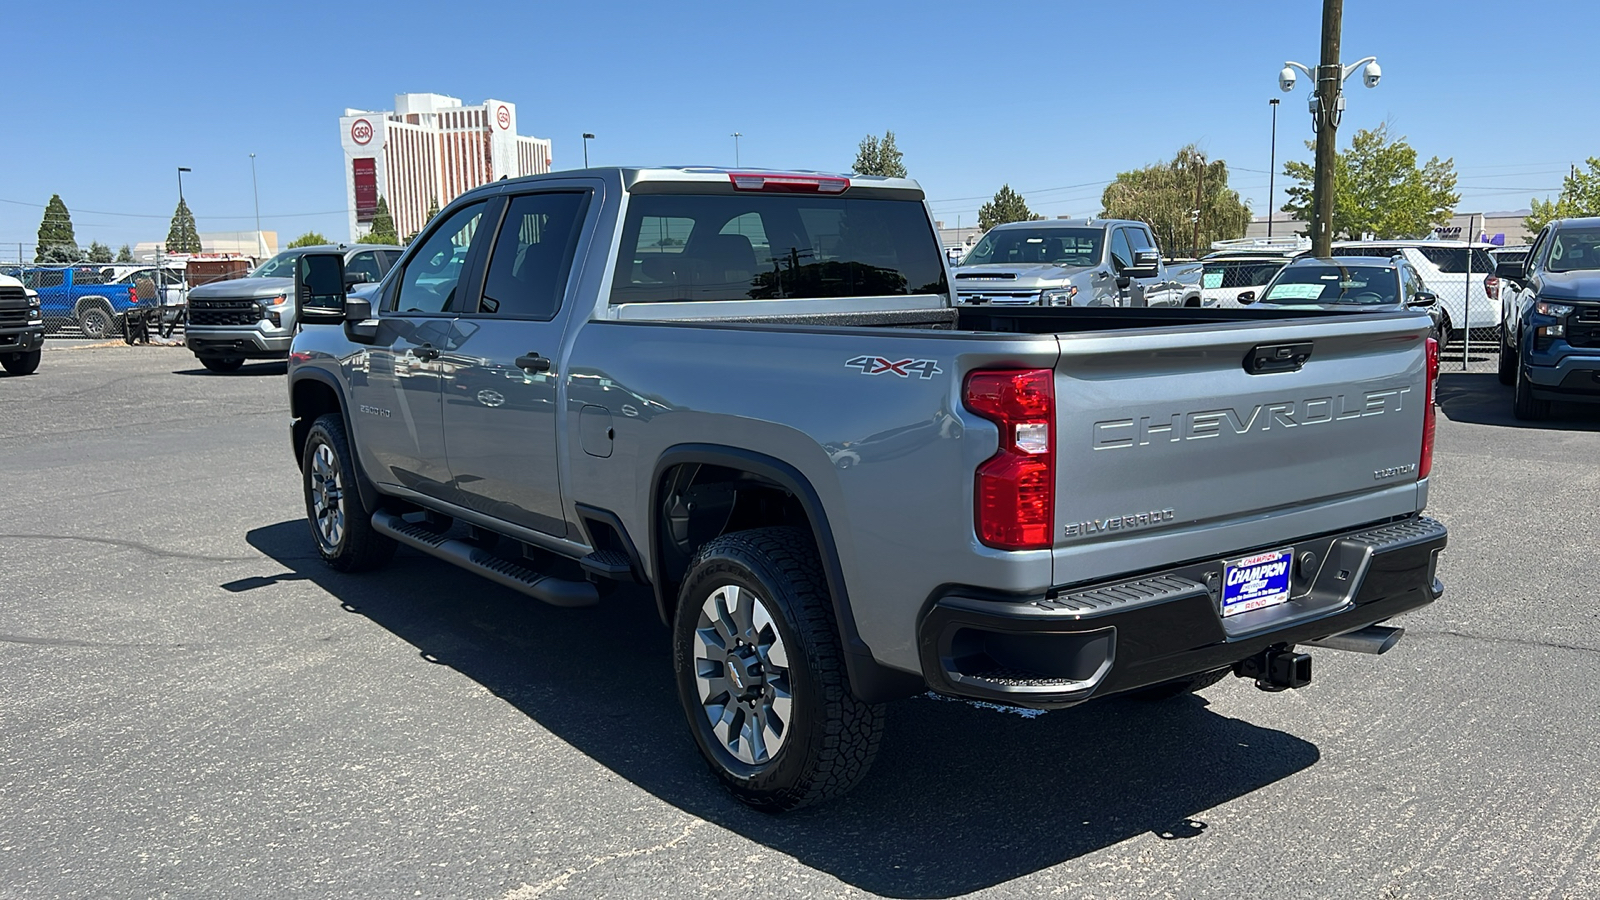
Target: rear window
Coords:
[(685, 247), (1453, 260), (1238, 274)]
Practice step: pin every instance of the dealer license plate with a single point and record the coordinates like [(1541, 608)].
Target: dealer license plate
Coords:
[(1256, 582)]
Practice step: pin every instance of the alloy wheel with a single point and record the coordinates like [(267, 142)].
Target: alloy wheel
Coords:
[(327, 496), (741, 668)]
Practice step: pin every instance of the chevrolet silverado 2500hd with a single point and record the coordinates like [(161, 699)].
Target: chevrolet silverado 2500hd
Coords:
[(1074, 262), (754, 393)]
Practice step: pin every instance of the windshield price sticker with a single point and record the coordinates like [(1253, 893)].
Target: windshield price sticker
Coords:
[(1256, 582)]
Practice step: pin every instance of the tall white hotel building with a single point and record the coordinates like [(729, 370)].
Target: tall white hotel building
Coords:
[(428, 150)]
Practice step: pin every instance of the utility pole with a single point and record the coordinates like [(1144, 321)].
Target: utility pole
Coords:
[(1199, 194), (261, 242), (1330, 78), (1272, 168)]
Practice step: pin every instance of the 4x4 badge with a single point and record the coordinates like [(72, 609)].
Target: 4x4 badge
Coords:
[(878, 365)]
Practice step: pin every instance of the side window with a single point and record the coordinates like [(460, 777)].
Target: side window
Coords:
[(1536, 254), (533, 255), (1121, 251), (363, 266), (49, 278), (428, 283)]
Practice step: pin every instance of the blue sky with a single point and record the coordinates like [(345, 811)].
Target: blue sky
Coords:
[(1051, 98)]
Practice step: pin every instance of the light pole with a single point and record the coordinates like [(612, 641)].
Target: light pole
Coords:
[(587, 137), (1327, 106), (736, 135), (256, 193), (181, 170), (1272, 167)]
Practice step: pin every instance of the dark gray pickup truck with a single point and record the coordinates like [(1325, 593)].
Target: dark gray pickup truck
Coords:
[(754, 393)]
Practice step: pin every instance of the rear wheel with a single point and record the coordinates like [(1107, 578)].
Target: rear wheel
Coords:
[(1508, 360), (1528, 407), (221, 364), (96, 321), (22, 363), (341, 525), (761, 673)]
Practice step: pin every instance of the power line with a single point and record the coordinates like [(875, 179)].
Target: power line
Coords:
[(101, 212)]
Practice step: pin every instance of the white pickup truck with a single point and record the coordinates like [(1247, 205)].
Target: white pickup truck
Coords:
[(1074, 262)]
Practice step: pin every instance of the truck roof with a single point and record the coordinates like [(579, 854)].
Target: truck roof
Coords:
[(1066, 223), (710, 175)]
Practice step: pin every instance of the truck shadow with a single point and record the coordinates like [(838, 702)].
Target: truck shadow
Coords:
[(1478, 398), (248, 370), (960, 798)]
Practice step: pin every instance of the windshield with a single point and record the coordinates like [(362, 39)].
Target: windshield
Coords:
[(1574, 249), (280, 266), (1035, 246), (1365, 285)]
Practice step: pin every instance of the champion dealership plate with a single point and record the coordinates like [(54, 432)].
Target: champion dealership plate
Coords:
[(1256, 582)]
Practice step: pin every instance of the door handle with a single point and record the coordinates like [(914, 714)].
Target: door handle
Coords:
[(425, 352), (533, 362)]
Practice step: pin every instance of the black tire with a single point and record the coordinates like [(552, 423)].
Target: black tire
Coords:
[(96, 321), (1508, 361), (1180, 687), (1526, 406), (329, 483), (22, 363), (830, 737), (222, 365)]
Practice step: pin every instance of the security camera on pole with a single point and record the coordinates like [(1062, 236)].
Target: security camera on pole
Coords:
[(1327, 105)]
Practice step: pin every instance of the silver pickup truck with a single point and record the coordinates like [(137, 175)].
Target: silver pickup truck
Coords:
[(754, 394), (1074, 262)]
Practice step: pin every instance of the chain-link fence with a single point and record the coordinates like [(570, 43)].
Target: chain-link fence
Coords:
[(99, 300)]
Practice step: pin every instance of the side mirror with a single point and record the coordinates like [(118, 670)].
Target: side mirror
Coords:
[(1146, 264), (357, 309), (1511, 271), (319, 288), (351, 279), (1423, 299), (1246, 298)]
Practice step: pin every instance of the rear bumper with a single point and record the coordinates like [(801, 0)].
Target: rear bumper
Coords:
[(246, 343), (1072, 645), (26, 338)]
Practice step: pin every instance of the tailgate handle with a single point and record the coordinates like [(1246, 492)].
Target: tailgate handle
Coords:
[(1268, 358)]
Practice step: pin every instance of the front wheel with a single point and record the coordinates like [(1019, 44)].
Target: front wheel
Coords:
[(222, 365), (761, 674), (22, 363), (341, 525), (1508, 360), (1526, 406)]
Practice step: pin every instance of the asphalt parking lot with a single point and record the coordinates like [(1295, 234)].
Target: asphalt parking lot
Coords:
[(193, 706)]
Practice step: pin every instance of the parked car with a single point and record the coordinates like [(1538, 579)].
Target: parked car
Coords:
[(78, 295), (1074, 262), (1350, 283), (1224, 277), (842, 487), (1466, 302), (21, 327), (1550, 344), (254, 317)]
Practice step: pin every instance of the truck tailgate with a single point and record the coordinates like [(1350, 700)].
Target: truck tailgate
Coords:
[(1176, 445)]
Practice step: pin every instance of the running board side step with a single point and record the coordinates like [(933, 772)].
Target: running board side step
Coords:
[(551, 590), (1372, 639)]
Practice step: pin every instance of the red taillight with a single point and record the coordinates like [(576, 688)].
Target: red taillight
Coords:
[(1425, 465), (1491, 286), (1015, 489), (133, 296), (789, 184)]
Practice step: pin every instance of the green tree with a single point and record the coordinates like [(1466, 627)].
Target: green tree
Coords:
[(1175, 197), (382, 226), (57, 243), (309, 239), (1378, 188), (183, 236), (433, 210), (1580, 196), (99, 253), (879, 157), (1007, 206), (125, 255)]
